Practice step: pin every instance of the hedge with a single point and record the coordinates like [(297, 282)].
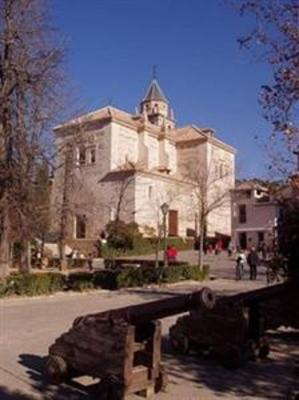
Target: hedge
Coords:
[(47, 283), (34, 284), (143, 246), (130, 277), (80, 281)]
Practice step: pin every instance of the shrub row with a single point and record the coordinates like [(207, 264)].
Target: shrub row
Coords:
[(33, 284), (143, 246), (47, 283), (130, 277)]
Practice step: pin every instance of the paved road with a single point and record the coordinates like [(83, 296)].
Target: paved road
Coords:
[(28, 326), (221, 265)]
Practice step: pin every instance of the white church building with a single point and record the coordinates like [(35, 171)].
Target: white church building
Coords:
[(113, 164)]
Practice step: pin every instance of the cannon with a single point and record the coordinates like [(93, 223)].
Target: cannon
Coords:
[(234, 331), (122, 347)]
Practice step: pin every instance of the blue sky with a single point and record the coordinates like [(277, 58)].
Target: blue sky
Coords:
[(113, 44)]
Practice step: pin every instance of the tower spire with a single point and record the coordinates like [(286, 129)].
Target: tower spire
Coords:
[(154, 72), (155, 104)]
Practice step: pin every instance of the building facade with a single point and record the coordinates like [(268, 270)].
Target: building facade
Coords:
[(112, 164), (254, 217)]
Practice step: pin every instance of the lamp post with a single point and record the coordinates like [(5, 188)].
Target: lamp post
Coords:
[(164, 209)]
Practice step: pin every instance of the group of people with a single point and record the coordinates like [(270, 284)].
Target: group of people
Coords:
[(211, 247), (251, 258)]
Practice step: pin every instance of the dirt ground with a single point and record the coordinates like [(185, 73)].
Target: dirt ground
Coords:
[(30, 325)]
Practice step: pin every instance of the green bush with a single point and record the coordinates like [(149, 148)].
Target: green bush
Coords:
[(80, 281), (185, 272), (173, 274), (34, 284), (105, 280), (3, 288), (129, 277), (122, 235), (142, 246), (81, 286), (46, 283)]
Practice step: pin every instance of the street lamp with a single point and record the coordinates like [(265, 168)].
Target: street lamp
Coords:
[(164, 209)]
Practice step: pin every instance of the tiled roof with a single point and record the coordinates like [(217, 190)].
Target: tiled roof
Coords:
[(102, 114), (154, 92), (189, 132), (193, 132), (250, 185)]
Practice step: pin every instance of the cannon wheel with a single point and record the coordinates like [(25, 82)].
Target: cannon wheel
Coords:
[(180, 344), (110, 388), (258, 351), (162, 380), (56, 369), (233, 357), (264, 349), (253, 350)]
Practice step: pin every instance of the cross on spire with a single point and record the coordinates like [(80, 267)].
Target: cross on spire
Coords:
[(154, 70)]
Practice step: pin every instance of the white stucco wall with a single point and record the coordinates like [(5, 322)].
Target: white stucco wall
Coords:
[(221, 172), (124, 145), (190, 155), (170, 149), (153, 151), (148, 202)]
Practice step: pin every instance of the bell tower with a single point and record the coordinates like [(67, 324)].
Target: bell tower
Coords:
[(155, 106)]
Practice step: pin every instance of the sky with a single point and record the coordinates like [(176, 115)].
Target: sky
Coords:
[(209, 81)]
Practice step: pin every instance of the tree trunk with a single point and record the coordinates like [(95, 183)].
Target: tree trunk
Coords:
[(62, 256), (42, 246), (201, 243), (4, 248), (157, 252), (28, 257)]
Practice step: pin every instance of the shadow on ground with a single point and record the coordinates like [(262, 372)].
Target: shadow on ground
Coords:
[(271, 379), (34, 365), (274, 378)]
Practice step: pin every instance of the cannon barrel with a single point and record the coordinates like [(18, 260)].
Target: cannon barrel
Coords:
[(258, 295), (142, 313)]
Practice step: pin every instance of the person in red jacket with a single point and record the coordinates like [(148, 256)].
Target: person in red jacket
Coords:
[(171, 253)]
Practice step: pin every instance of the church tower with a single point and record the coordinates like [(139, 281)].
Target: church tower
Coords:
[(155, 107)]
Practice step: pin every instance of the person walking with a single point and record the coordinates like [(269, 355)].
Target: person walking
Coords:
[(240, 261), (230, 249), (90, 261), (253, 262)]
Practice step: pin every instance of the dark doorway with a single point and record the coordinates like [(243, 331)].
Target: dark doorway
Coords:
[(261, 237), (172, 223), (243, 240)]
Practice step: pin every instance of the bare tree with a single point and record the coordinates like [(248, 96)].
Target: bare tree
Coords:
[(167, 196), (275, 37), (211, 185), (42, 203), (120, 199), (30, 94), (72, 194)]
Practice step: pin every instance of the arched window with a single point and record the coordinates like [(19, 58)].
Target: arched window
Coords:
[(92, 155), (80, 227), (81, 155)]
